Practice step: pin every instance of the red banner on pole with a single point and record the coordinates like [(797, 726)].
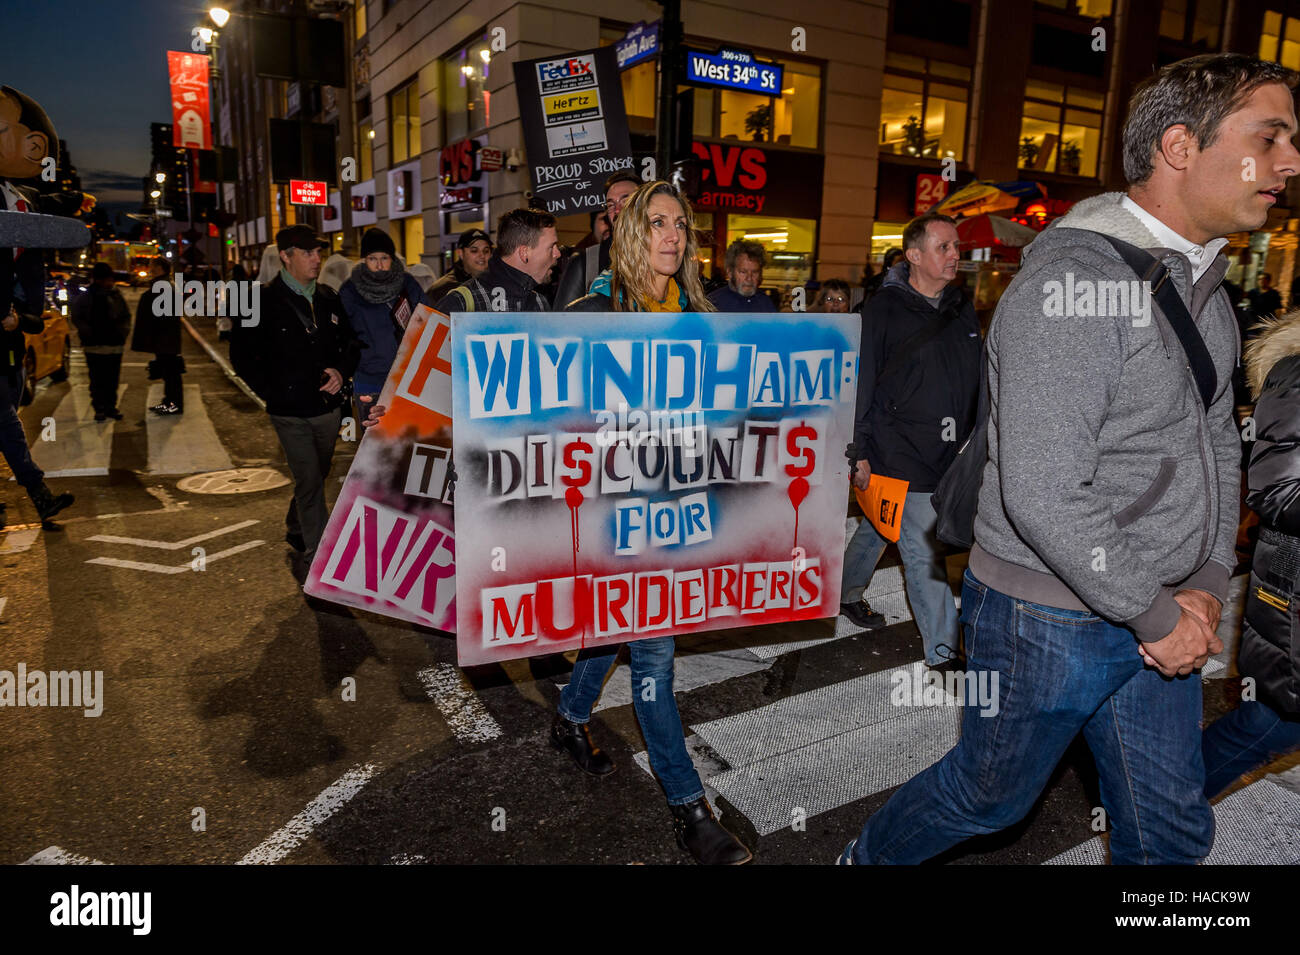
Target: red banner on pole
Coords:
[(191, 121)]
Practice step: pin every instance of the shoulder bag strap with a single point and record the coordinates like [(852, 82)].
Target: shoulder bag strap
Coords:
[(1153, 272)]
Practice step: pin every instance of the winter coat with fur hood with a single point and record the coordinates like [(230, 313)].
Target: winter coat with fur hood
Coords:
[(1270, 646)]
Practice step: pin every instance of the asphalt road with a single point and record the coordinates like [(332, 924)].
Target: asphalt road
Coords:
[(241, 722)]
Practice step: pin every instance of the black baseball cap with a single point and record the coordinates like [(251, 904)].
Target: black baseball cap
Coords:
[(299, 237), (470, 236)]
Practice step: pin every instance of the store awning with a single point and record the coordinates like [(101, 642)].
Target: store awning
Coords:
[(981, 197), (986, 231)]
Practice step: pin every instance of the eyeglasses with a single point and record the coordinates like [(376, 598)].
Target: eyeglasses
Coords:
[(836, 299), (616, 204)]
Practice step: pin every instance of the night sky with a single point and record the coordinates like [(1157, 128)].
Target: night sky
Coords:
[(99, 67)]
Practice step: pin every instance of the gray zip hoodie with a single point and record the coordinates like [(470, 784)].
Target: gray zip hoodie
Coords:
[(1108, 487)]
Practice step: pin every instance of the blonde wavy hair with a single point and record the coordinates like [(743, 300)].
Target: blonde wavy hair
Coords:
[(629, 264)]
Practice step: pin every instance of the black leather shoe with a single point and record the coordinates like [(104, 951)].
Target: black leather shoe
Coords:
[(700, 834), (48, 503), (575, 738), (860, 612)]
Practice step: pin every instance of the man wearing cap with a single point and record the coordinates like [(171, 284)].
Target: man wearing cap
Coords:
[(296, 354), (474, 250)]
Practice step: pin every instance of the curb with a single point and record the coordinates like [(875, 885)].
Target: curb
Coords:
[(223, 363)]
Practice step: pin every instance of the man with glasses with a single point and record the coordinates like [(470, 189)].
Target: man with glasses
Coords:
[(582, 267)]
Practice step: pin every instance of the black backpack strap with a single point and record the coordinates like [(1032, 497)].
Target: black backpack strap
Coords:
[(1153, 272)]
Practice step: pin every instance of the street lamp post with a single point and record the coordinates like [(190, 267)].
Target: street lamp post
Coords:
[(212, 37)]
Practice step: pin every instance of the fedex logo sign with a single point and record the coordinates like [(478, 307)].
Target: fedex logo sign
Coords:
[(559, 69)]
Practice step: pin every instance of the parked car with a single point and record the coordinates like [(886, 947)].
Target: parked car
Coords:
[(49, 353)]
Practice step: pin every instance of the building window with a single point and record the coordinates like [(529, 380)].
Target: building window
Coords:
[(404, 123), (408, 236), (944, 21), (923, 107), (789, 120), (1278, 46), (365, 150), (1192, 22), (1060, 129), (466, 99)]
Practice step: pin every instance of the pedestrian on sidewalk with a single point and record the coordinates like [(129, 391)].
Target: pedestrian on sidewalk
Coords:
[(296, 358), (102, 320), (1107, 519), (379, 299), (918, 382), (655, 269), (1260, 730), (161, 336)]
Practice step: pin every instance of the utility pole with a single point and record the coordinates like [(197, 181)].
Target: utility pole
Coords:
[(670, 46)]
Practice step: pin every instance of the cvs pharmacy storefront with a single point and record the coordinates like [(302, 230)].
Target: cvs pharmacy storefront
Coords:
[(771, 196)]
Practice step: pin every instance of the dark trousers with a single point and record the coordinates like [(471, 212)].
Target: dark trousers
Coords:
[(173, 390), (105, 372), (13, 440), (309, 447)]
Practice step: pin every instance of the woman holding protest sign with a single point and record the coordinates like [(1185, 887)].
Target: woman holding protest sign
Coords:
[(653, 268)]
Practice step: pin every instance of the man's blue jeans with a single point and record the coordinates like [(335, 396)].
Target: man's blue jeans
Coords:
[(1059, 672), (1251, 736), (656, 709), (924, 572)]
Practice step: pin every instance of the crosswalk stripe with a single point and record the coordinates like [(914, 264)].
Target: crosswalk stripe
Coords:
[(81, 447), (57, 856), (822, 749), (295, 832), (1256, 825), (464, 712), (690, 672), (185, 443)]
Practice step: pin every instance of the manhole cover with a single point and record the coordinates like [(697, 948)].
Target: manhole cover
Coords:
[(236, 481)]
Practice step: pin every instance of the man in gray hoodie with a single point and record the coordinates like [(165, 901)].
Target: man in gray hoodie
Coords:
[(1107, 517)]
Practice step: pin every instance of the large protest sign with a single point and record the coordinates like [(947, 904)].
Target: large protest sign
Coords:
[(389, 546), (575, 127), (631, 475)]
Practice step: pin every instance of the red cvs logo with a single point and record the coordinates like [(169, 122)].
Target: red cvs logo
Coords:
[(723, 161), (456, 162)]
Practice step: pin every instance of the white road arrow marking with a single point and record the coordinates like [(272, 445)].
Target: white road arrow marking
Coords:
[(180, 569), (20, 539), (170, 545)]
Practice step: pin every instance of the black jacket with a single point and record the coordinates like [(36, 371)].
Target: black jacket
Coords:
[(457, 276), (1270, 650), (521, 293), (911, 422), (577, 277), (283, 358), (101, 317), (158, 334)]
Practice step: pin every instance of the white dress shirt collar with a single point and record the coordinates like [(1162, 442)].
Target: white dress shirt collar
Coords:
[(1200, 256)]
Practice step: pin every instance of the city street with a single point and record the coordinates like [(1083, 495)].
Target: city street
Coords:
[(242, 722)]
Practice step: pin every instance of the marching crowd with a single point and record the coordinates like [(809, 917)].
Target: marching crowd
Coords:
[(1106, 522)]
